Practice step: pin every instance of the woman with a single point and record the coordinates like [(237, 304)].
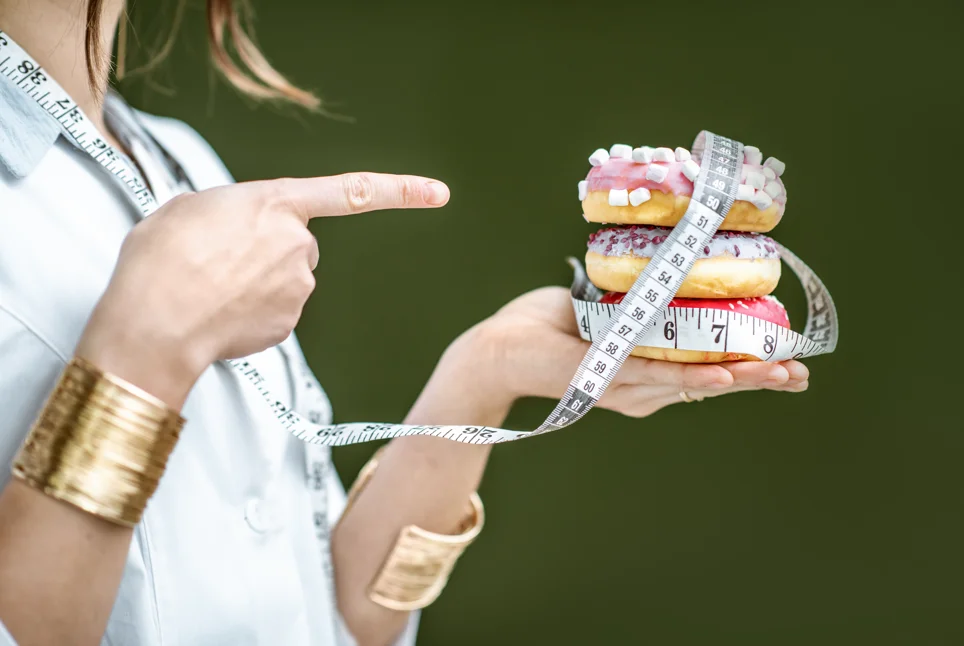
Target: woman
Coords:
[(148, 309)]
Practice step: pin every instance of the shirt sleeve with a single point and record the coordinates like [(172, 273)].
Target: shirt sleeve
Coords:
[(6, 639), (30, 372)]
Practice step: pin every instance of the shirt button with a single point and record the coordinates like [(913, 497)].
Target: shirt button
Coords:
[(262, 516)]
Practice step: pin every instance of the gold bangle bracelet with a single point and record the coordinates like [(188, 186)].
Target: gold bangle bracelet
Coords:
[(100, 444), (418, 567)]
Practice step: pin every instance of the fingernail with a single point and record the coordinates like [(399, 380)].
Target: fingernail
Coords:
[(778, 374), (436, 193)]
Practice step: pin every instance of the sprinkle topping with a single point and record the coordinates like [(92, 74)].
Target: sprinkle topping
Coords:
[(641, 241), (674, 171)]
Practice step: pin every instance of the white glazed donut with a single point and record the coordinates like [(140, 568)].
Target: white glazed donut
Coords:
[(732, 265)]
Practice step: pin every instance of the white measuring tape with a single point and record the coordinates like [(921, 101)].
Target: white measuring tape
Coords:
[(715, 330), (615, 330)]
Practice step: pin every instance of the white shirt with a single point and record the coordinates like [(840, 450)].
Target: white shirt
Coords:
[(205, 566)]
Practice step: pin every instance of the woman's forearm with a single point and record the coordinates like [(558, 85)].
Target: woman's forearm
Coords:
[(423, 481), (61, 567)]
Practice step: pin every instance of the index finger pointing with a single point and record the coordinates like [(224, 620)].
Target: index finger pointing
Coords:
[(350, 193)]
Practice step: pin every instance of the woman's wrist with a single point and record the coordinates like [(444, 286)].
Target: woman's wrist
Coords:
[(421, 481), (467, 386), (166, 368), (465, 389), (100, 444), (417, 568)]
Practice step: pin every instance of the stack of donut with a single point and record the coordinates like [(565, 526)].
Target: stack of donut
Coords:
[(644, 192)]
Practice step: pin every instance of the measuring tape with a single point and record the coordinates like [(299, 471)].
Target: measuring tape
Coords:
[(713, 195), (615, 330), (713, 330)]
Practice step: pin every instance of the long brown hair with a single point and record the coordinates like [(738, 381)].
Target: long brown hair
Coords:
[(257, 78)]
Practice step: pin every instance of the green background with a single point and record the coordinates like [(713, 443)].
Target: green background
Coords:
[(831, 517)]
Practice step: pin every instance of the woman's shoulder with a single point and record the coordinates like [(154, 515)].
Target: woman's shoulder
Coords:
[(191, 150)]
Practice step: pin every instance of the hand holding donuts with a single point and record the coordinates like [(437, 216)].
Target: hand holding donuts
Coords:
[(535, 345)]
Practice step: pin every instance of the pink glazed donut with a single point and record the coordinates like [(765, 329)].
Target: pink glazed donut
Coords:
[(611, 192)]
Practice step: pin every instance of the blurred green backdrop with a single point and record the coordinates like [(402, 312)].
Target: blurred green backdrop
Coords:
[(832, 517)]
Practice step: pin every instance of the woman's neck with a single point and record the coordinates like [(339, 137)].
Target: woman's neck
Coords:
[(54, 33)]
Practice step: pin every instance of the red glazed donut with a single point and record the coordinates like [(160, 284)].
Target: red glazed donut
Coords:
[(767, 308)]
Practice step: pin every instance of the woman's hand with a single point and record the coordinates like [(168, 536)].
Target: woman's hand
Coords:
[(531, 347), (534, 347), (225, 273), (214, 275)]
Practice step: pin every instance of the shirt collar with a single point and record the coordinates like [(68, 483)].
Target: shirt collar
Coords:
[(27, 132)]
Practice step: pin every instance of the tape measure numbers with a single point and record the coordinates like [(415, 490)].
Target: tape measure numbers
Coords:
[(714, 330)]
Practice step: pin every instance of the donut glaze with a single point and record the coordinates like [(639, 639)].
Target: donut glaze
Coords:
[(720, 277), (642, 241), (767, 308), (731, 265), (627, 174)]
